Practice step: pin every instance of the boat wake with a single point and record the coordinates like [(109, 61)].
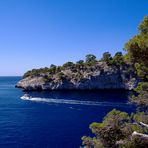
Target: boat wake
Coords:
[(72, 102)]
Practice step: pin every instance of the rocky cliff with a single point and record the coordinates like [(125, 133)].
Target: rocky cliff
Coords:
[(95, 76)]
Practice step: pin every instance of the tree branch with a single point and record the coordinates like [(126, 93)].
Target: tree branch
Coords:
[(144, 124), (139, 134)]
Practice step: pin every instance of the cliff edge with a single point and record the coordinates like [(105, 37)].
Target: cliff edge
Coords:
[(98, 75)]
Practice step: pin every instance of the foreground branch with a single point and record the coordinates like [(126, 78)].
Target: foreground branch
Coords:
[(144, 124), (139, 134)]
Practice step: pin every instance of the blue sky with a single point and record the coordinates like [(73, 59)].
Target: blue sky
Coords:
[(37, 33)]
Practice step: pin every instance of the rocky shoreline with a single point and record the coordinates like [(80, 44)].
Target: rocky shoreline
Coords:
[(101, 76)]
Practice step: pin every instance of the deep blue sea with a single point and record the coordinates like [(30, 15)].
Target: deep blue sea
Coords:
[(56, 119)]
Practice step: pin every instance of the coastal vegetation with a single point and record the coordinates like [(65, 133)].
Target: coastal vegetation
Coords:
[(137, 49), (90, 60), (118, 129), (89, 65)]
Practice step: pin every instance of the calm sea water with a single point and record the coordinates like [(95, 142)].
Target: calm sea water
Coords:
[(52, 119)]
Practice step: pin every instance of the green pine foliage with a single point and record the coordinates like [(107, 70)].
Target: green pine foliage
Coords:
[(137, 49), (115, 131)]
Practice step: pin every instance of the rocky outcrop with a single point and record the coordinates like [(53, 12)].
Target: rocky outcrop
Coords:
[(100, 76)]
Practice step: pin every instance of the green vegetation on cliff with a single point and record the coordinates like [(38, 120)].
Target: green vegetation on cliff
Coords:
[(89, 65)]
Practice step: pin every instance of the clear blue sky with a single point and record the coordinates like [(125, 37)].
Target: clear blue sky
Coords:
[(37, 33)]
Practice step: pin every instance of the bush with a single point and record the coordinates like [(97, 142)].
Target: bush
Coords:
[(90, 58), (61, 75), (107, 57), (68, 65), (80, 62)]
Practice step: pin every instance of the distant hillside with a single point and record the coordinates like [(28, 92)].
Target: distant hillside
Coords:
[(107, 73)]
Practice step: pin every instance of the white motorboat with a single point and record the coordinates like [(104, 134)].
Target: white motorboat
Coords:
[(26, 97)]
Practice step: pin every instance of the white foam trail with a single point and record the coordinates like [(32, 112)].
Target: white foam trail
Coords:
[(74, 102)]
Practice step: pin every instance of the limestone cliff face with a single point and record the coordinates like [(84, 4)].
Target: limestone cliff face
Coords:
[(100, 76)]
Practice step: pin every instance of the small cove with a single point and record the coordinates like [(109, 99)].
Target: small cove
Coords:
[(58, 119)]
